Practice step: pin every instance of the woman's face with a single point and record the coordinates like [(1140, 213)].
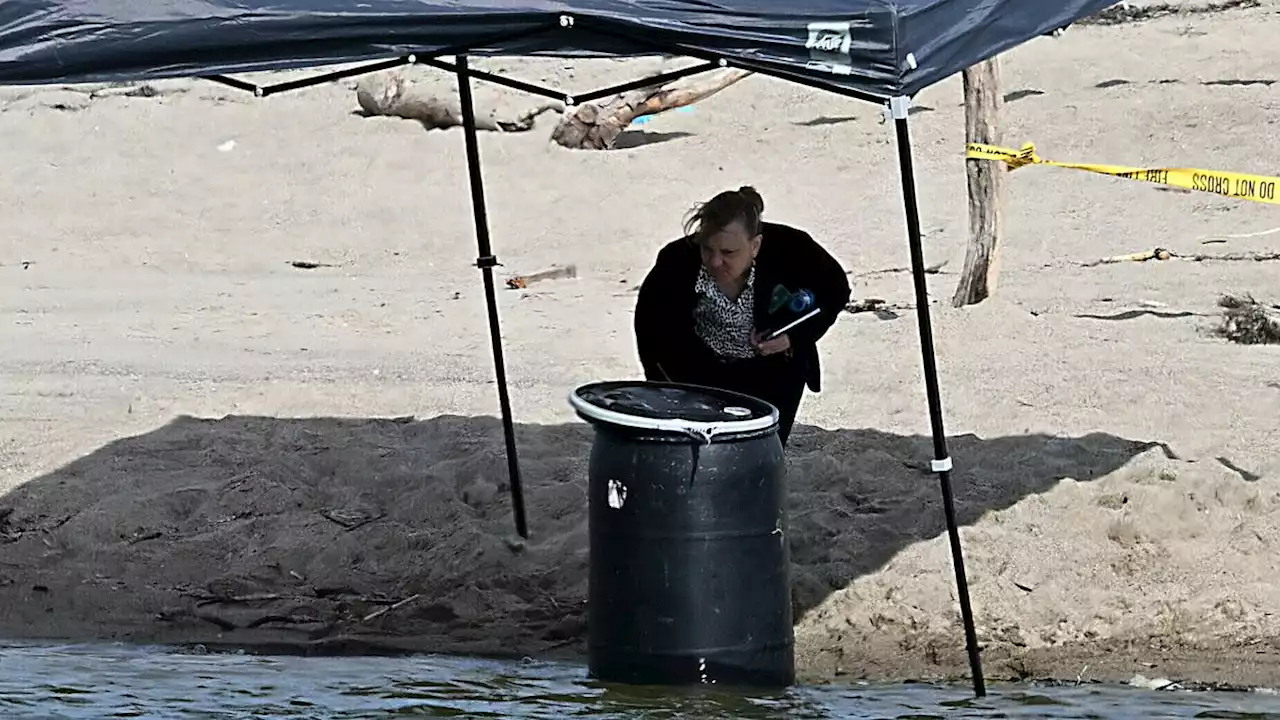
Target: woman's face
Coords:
[(727, 254)]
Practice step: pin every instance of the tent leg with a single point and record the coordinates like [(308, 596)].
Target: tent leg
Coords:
[(486, 262), (942, 460)]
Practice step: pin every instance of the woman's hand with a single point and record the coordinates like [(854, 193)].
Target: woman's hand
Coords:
[(780, 344)]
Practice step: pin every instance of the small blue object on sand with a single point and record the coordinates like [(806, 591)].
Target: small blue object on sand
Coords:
[(646, 118)]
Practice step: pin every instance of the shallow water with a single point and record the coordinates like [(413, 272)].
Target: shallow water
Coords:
[(114, 681)]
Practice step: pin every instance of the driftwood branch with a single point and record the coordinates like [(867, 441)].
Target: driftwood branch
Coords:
[(239, 599), (394, 95), (522, 282), (934, 269), (1145, 255), (1166, 254), (593, 126), (596, 126), (389, 608)]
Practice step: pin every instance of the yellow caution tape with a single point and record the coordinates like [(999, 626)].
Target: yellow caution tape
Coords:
[(1257, 188)]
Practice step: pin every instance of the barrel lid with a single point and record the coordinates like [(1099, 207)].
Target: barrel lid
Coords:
[(690, 409)]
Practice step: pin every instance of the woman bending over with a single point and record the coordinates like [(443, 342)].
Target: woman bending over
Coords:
[(709, 308)]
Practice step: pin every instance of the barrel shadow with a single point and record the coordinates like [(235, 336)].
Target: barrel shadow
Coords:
[(334, 535)]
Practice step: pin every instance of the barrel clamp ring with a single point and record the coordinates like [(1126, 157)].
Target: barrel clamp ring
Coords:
[(700, 433), (942, 465)]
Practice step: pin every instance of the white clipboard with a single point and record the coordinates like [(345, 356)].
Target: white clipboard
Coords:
[(775, 333)]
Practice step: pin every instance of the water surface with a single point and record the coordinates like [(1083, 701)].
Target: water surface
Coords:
[(117, 681)]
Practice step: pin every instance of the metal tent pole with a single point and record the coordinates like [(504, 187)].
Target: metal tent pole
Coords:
[(486, 262), (942, 460)]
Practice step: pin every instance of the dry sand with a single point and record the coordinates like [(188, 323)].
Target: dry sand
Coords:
[(190, 424)]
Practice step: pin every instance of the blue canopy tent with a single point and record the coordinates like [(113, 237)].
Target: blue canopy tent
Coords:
[(882, 51)]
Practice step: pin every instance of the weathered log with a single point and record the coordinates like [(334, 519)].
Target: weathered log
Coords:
[(597, 125), (594, 126), (393, 95)]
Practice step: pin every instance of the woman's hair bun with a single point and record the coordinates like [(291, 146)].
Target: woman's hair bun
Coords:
[(752, 196), (729, 206)]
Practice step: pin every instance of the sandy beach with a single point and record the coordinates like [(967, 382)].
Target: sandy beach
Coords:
[(202, 442)]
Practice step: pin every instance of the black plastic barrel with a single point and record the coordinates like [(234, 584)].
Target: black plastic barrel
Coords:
[(689, 560)]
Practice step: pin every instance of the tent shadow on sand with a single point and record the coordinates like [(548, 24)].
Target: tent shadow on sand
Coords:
[(331, 535)]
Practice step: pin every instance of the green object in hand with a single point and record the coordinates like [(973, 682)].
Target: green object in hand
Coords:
[(781, 296)]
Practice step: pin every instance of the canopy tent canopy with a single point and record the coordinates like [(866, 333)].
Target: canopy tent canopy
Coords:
[(876, 50)]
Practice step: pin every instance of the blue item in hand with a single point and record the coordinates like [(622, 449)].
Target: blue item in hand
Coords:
[(801, 301)]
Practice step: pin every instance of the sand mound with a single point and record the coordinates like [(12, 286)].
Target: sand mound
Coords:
[(1163, 553), (210, 528), (354, 534)]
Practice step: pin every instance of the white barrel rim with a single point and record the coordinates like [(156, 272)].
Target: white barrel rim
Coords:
[(694, 428)]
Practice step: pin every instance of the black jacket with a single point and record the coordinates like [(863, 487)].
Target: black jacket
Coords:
[(669, 347)]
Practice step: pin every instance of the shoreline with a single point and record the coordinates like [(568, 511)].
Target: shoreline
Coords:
[(158, 549), (1206, 667)]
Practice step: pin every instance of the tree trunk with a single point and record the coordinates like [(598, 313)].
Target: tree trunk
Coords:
[(596, 126), (982, 103)]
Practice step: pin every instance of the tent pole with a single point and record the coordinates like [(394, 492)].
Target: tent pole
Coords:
[(942, 460), (486, 262)]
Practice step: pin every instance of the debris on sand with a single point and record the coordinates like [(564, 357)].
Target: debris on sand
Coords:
[(522, 282), (1249, 322), (1127, 12)]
